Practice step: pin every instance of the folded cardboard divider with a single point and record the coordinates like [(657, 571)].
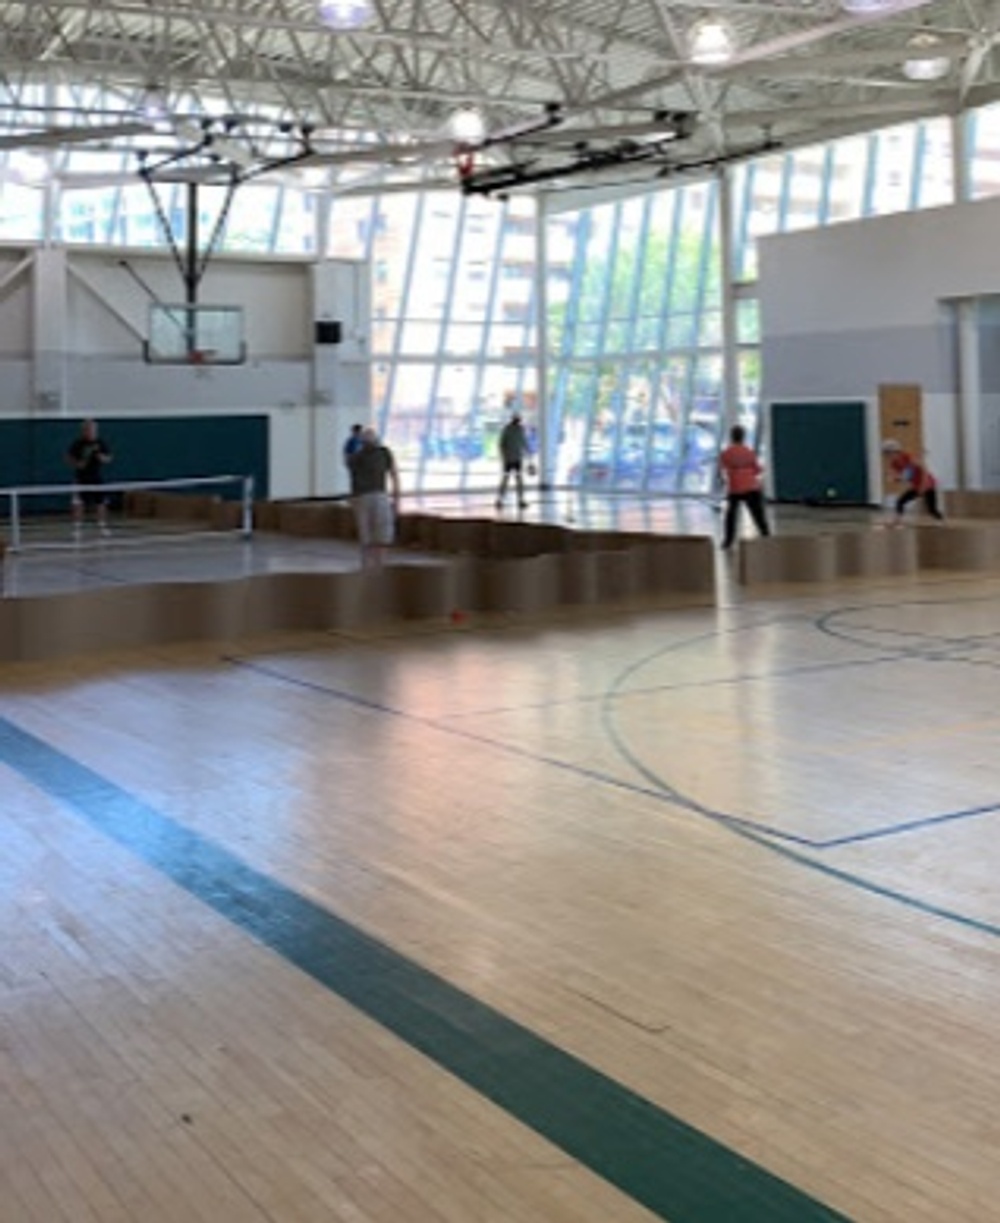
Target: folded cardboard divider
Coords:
[(471, 565)]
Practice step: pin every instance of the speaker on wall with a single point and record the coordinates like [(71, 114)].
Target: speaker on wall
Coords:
[(328, 331)]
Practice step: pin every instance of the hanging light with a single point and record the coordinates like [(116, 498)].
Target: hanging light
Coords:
[(153, 105), (345, 14), (925, 61), (467, 125), (872, 8), (711, 41)]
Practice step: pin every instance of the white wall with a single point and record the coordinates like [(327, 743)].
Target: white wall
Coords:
[(850, 306), (99, 368)]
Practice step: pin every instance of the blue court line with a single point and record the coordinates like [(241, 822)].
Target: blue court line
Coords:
[(659, 789), (894, 830), (659, 792), (659, 1161), (772, 845)]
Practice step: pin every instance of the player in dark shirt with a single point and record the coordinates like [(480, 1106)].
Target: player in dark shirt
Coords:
[(87, 455), (373, 468)]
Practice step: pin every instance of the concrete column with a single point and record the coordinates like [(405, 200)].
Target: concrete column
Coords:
[(730, 351), (48, 335), (968, 419), (547, 439)]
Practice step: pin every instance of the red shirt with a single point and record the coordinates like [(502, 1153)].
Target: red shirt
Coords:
[(741, 469), (911, 472)]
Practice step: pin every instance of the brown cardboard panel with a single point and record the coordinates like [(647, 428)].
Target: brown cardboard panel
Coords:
[(422, 592), (880, 552), (578, 578), (971, 503), (522, 584), (788, 558), (684, 564), (619, 575), (959, 546), (472, 535)]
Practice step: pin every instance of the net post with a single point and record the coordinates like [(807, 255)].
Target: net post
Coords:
[(15, 521), (247, 506)]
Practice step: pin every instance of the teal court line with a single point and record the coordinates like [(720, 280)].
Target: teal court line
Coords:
[(659, 1161)]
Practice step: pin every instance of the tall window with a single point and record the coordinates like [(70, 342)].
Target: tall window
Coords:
[(634, 342), (633, 290)]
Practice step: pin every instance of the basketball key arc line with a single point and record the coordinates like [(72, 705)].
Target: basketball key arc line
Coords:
[(659, 789), (789, 850), (788, 845)]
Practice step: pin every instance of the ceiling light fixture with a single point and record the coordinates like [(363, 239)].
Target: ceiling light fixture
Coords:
[(345, 14), (467, 125), (925, 61), (153, 105), (872, 8), (711, 41)]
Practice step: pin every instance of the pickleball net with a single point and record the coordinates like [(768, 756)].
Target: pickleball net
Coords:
[(41, 517)]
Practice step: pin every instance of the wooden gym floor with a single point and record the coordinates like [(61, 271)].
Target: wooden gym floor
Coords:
[(688, 916)]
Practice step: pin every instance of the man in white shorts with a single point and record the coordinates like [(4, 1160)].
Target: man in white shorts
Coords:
[(373, 469)]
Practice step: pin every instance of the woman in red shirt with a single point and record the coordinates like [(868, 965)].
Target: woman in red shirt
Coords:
[(740, 469), (918, 480)]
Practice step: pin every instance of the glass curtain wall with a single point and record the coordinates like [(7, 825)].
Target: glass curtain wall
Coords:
[(454, 339), (634, 332), (983, 144), (633, 290)]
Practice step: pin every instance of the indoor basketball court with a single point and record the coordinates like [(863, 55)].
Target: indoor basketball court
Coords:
[(681, 915)]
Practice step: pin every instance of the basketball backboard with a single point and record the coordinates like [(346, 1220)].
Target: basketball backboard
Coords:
[(195, 335)]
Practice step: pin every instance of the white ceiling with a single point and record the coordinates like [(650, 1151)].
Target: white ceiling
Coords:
[(379, 99)]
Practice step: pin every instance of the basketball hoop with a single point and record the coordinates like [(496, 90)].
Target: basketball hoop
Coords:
[(196, 356), (465, 163)]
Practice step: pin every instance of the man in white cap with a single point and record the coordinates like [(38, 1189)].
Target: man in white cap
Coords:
[(373, 475), (916, 477)]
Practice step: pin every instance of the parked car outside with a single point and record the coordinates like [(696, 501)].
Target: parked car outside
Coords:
[(663, 464)]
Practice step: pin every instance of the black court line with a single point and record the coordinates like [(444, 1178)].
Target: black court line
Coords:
[(894, 830), (791, 852), (660, 792), (787, 845), (679, 1173)]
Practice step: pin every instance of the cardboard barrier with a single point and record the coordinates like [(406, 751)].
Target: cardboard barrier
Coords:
[(464, 535), (524, 568), (959, 545), (267, 515), (879, 552), (788, 558), (430, 592), (683, 564), (525, 585), (971, 503), (227, 515), (308, 518), (619, 575), (578, 578), (184, 506), (139, 504)]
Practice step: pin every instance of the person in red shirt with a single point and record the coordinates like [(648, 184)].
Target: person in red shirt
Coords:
[(918, 480), (741, 471)]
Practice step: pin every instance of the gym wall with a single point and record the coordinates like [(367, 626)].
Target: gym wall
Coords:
[(71, 330), (850, 306)]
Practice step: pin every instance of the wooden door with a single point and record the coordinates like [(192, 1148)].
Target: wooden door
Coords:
[(901, 418)]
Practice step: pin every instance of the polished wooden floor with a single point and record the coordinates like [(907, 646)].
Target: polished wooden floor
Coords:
[(740, 861)]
